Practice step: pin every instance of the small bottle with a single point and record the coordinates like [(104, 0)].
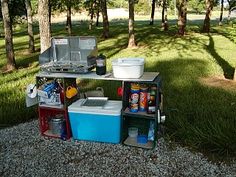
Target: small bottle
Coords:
[(101, 65), (134, 97), (143, 98), (151, 131), (151, 109)]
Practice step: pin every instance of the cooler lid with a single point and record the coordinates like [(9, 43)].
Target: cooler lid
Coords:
[(112, 107)]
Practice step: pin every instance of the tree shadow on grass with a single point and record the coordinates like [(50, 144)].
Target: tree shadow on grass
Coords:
[(197, 115), (227, 68), (25, 62)]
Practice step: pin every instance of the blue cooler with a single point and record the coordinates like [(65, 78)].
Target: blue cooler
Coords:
[(96, 123)]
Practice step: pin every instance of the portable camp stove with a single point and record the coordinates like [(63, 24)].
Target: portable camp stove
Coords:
[(70, 54), (66, 67)]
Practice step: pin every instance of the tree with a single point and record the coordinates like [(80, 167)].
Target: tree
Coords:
[(181, 5), (30, 25), (68, 15), (105, 33), (164, 19), (232, 6), (131, 42), (152, 12), (97, 11), (142, 7), (90, 5), (206, 24), (44, 24), (11, 63), (221, 12), (16, 9), (93, 7), (196, 5)]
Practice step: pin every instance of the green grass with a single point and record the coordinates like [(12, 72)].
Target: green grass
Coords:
[(197, 114)]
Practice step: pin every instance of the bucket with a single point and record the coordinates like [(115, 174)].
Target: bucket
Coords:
[(57, 125)]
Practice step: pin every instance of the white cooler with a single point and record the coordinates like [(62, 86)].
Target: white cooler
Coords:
[(128, 67)]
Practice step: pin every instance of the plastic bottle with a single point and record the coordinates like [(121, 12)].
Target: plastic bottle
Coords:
[(151, 109), (134, 97), (151, 131), (101, 65), (143, 98)]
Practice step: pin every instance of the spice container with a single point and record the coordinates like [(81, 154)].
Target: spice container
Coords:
[(151, 108), (134, 97), (143, 98)]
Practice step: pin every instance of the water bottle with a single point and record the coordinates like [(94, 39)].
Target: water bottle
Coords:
[(101, 65)]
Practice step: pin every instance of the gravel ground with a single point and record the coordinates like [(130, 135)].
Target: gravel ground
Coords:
[(23, 152)]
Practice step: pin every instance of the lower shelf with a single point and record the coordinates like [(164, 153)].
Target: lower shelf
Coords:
[(133, 142)]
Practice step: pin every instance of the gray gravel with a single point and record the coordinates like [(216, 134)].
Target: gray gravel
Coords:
[(24, 152)]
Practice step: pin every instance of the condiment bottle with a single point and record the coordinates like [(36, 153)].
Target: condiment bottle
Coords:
[(101, 65), (134, 97), (151, 109), (143, 98)]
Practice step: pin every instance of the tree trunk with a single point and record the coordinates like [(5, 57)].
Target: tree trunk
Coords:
[(11, 63), (97, 11), (182, 16), (234, 77), (50, 13), (30, 26), (229, 16), (92, 5), (97, 18), (153, 12), (105, 19), (164, 16), (209, 7), (131, 25), (68, 18), (221, 12), (163, 13), (44, 25)]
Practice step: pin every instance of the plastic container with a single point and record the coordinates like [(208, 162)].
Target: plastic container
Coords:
[(133, 132), (142, 139), (143, 98), (57, 125), (96, 123), (128, 67), (101, 65), (134, 97)]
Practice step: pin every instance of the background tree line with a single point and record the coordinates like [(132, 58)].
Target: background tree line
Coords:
[(14, 10)]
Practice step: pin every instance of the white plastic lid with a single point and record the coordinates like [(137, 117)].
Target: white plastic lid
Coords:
[(112, 107), (128, 61)]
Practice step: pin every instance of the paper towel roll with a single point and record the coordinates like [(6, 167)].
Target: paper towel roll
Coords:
[(31, 91)]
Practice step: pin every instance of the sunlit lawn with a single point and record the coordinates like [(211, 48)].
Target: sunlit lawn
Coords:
[(197, 114)]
